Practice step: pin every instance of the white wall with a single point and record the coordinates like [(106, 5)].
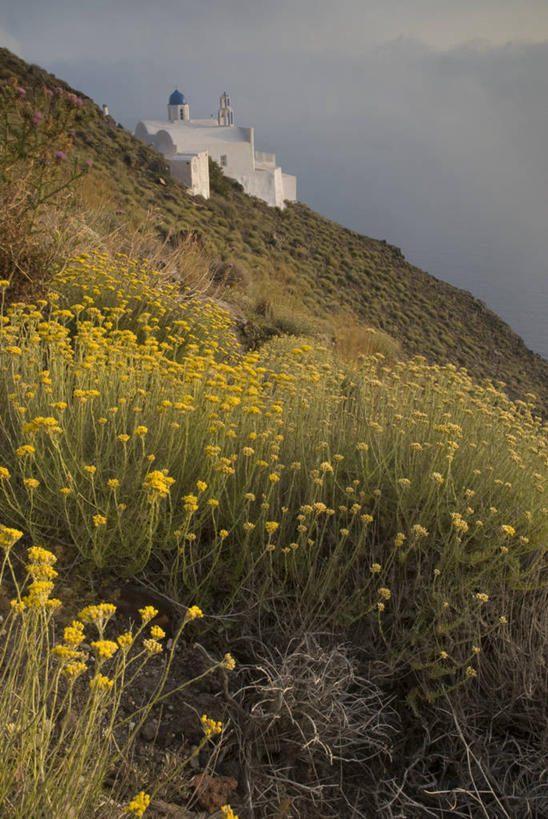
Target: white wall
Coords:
[(266, 185), (256, 171), (265, 160), (289, 187), (193, 171)]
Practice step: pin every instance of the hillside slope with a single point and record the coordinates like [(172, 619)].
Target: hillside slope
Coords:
[(321, 269)]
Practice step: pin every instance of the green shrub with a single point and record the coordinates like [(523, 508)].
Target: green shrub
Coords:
[(36, 171)]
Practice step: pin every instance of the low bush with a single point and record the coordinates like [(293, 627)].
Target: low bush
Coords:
[(36, 172), (400, 497), (61, 731)]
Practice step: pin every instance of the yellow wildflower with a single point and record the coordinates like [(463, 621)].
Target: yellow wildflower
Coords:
[(74, 635), (229, 662), (138, 804), (104, 649), (125, 640), (419, 531), (148, 613), (210, 726), (65, 653), (157, 485), (74, 669), (190, 503), (8, 537), (194, 613), (26, 449), (157, 632), (101, 683), (48, 424), (39, 592), (98, 614), (153, 646)]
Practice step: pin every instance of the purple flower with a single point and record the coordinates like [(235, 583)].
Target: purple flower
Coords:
[(78, 101), (233, 247), (119, 212), (20, 92), (89, 163), (37, 118), (60, 155), (49, 92)]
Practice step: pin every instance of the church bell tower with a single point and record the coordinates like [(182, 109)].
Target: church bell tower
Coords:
[(177, 107), (225, 115)]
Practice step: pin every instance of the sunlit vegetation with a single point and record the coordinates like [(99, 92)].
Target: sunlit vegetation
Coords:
[(366, 530)]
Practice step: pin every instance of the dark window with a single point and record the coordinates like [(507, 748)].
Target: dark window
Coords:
[(224, 161)]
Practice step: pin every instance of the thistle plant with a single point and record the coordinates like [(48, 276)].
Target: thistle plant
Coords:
[(37, 169)]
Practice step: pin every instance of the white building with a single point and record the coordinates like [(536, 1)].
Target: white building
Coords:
[(186, 143)]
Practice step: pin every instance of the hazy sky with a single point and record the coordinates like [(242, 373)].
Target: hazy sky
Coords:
[(423, 122)]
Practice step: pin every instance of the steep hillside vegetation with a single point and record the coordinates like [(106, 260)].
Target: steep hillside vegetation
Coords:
[(362, 540), (309, 267)]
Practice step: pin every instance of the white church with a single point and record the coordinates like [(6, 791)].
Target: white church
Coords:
[(187, 143)]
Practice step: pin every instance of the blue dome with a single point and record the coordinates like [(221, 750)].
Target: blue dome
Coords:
[(177, 98)]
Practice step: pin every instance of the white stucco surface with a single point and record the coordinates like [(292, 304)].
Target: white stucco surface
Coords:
[(289, 187), (192, 169), (187, 143)]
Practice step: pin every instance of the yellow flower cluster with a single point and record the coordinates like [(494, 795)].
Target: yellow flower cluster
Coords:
[(138, 804), (98, 614), (194, 613), (48, 424), (9, 537), (210, 726), (157, 485)]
